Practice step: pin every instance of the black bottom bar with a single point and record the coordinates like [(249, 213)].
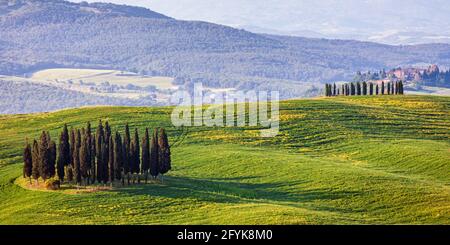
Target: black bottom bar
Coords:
[(227, 234)]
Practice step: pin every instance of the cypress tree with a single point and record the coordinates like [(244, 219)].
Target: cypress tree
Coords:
[(72, 145), (400, 89), (352, 89), (98, 147), (89, 151), (27, 162), (326, 90), (154, 152), (392, 88), (364, 88), (63, 153), (376, 89), (371, 89), (61, 161), (334, 89), (145, 162), (118, 158), (64, 146), (347, 90), (44, 156), (136, 154), (92, 156), (358, 88), (343, 89), (35, 171), (126, 153), (76, 158), (164, 153), (105, 167), (105, 160), (107, 132), (111, 161), (84, 157), (132, 156), (69, 173), (382, 88), (389, 88), (51, 158)]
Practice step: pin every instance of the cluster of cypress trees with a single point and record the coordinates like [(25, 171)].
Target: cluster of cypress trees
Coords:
[(364, 88), (85, 157)]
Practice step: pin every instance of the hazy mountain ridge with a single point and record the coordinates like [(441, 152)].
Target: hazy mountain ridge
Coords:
[(384, 21), (46, 34)]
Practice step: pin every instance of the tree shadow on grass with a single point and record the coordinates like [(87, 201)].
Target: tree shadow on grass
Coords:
[(233, 190)]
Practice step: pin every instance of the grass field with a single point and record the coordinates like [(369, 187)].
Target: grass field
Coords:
[(353, 160)]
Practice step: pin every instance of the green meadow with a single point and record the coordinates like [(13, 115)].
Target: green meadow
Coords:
[(341, 160)]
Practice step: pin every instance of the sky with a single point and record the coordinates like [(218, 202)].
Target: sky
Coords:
[(388, 21)]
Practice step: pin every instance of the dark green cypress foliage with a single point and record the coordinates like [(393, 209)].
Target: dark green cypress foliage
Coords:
[(118, 158), (126, 152), (35, 171), (69, 173), (136, 153), (364, 88), (145, 162), (371, 89), (27, 161), (51, 158), (65, 146), (84, 157), (343, 89), (105, 167), (389, 88), (326, 90), (400, 90), (72, 145), (44, 156), (382, 88), (358, 88), (392, 88), (92, 156), (61, 162), (98, 147), (89, 153), (154, 154), (76, 158), (132, 156), (164, 153), (107, 132), (334, 89), (107, 136), (376, 89), (347, 89), (111, 160)]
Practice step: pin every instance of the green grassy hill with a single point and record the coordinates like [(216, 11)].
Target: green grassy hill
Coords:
[(365, 160)]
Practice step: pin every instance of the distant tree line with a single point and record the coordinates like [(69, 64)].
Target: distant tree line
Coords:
[(84, 157), (364, 88)]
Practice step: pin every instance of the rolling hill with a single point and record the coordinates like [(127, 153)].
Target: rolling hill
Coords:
[(343, 160), (36, 35)]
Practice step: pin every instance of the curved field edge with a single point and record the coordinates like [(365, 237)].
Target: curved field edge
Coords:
[(367, 160)]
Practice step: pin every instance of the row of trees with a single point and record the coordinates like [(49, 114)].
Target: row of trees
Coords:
[(86, 157), (364, 88)]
